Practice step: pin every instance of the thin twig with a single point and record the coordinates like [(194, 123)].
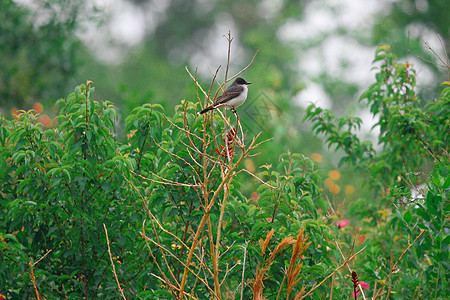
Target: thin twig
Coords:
[(240, 72), (350, 270), (243, 270), (228, 176), (187, 294), (112, 263), (178, 260), (227, 271), (182, 129), (166, 182), (48, 251), (394, 268), (212, 84), (33, 277), (196, 82), (229, 39), (259, 179), (172, 287), (445, 63), (332, 286), (222, 211)]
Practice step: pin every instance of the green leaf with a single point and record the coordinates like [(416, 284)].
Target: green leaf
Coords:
[(407, 216)]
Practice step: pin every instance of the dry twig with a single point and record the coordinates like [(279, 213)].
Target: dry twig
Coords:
[(112, 263), (33, 277)]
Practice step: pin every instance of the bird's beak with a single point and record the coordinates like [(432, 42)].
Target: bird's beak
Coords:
[(248, 83)]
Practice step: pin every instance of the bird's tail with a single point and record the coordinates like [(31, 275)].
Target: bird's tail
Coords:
[(206, 110)]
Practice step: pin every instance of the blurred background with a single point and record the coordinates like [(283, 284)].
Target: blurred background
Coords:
[(135, 52)]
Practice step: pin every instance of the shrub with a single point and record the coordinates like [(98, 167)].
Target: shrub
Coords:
[(160, 215)]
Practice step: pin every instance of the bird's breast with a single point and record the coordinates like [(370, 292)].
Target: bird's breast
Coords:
[(235, 102)]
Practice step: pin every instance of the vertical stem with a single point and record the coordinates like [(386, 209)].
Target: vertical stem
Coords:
[(33, 279), (112, 263), (228, 176), (332, 286), (243, 271), (215, 260), (229, 53)]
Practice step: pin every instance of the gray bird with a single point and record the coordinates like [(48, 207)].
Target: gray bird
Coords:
[(234, 95)]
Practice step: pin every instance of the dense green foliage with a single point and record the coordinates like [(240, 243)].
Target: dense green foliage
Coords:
[(61, 185), (173, 206), (58, 187), (158, 178), (409, 172)]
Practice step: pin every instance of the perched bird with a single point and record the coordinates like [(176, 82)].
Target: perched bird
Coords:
[(234, 95)]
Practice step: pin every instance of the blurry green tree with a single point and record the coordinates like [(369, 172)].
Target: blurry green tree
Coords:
[(38, 51)]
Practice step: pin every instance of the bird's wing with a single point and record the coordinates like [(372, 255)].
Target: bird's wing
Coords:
[(230, 93)]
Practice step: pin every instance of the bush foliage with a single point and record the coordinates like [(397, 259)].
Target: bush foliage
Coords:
[(161, 215)]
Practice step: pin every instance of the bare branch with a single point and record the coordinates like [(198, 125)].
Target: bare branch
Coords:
[(240, 72), (229, 39), (182, 129), (176, 288), (33, 277), (259, 179), (196, 82), (112, 263), (243, 271), (178, 260), (350, 270), (166, 181)]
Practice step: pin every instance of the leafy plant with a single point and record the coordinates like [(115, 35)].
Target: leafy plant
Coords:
[(409, 169), (161, 215), (58, 187)]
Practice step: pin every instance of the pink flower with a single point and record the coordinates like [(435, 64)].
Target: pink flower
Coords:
[(269, 220), (364, 285), (342, 224)]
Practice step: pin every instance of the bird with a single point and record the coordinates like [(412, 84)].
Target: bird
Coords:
[(234, 95)]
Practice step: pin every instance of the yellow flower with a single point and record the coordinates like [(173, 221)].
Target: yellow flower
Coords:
[(334, 174), (334, 189), (349, 189), (316, 157), (328, 182)]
